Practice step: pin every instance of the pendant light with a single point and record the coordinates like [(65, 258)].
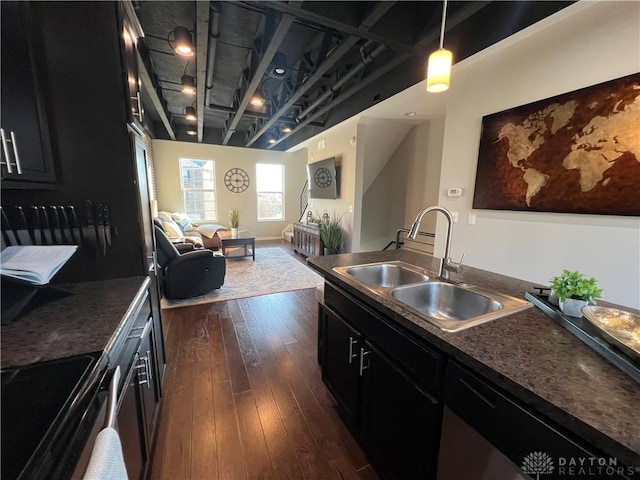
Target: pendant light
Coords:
[(439, 65), (183, 42), (188, 85)]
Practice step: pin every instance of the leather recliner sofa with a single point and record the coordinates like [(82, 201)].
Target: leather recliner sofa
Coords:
[(190, 273)]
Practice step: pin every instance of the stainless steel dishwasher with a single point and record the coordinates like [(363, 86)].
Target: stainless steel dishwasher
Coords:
[(465, 454)]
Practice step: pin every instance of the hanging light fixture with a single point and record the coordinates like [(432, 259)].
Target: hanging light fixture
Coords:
[(188, 85), (183, 42), (439, 66), (190, 113)]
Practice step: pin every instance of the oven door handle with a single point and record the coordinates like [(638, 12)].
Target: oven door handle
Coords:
[(112, 405)]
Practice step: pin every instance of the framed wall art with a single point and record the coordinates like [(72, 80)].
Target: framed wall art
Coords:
[(578, 152)]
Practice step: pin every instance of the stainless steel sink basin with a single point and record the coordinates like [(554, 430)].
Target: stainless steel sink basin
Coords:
[(385, 274), (455, 307), (445, 304), (445, 301)]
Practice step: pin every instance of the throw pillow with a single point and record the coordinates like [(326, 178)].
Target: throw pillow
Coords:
[(182, 219), (172, 229)]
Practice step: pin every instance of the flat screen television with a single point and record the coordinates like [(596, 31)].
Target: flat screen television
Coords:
[(323, 179)]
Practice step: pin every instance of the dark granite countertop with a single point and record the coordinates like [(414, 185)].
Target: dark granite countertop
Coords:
[(527, 354), (83, 322)]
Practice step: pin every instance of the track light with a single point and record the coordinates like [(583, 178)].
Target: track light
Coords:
[(183, 42), (439, 66), (188, 85), (257, 99), (190, 113)]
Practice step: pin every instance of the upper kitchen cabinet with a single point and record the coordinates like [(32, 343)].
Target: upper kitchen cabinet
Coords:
[(135, 110), (27, 160)]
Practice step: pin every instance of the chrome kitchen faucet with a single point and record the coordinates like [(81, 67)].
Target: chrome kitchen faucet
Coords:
[(446, 265)]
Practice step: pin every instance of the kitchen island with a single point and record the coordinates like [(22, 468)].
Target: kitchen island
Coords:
[(527, 355)]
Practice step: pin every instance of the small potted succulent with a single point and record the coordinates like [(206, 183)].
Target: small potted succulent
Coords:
[(574, 291), (234, 221)]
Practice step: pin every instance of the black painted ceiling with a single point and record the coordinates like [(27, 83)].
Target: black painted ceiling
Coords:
[(340, 57)]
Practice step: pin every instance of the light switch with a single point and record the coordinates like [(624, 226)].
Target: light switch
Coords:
[(455, 217), (472, 218), (350, 208)]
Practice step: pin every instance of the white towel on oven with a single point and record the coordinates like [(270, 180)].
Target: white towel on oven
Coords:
[(107, 462)]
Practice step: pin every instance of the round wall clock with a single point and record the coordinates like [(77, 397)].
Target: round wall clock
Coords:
[(236, 180), (322, 177)]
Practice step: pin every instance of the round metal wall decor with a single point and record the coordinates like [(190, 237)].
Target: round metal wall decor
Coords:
[(236, 180), (322, 177)]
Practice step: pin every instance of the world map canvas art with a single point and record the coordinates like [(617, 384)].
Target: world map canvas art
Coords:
[(578, 152)]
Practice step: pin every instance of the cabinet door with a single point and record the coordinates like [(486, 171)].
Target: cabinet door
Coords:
[(130, 427), (147, 377), (400, 423), (341, 363), (24, 120)]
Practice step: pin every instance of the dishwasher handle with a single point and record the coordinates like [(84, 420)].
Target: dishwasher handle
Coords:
[(112, 402)]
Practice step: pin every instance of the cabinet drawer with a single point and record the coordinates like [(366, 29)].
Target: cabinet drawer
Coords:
[(423, 363), (508, 426)]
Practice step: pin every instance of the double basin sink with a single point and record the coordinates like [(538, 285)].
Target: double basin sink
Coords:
[(448, 305)]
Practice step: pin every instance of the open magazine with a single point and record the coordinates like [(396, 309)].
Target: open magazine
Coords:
[(34, 264)]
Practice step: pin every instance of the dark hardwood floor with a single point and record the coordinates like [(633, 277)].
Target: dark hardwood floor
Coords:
[(244, 398)]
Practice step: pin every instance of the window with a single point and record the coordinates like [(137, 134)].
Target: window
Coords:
[(198, 181), (270, 188)]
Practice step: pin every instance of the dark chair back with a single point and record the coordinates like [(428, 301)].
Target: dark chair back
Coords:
[(165, 250)]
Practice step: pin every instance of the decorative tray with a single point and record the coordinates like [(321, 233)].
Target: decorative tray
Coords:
[(625, 357)]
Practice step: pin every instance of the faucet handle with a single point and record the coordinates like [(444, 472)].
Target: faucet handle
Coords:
[(453, 266)]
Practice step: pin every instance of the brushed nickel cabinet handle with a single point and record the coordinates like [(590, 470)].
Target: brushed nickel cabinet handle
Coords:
[(15, 153), (352, 355), (363, 354), (5, 149)]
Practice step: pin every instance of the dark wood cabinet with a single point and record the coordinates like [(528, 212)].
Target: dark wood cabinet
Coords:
[(27, 160), (395, 415), (306, 239), (400, 422), (341, 363)]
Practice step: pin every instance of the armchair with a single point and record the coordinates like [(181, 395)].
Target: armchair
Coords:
[(194, 272)]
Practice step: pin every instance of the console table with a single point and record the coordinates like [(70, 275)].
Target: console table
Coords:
[(306, 239)]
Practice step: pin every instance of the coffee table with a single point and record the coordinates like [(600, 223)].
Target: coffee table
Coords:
[(243, 239)]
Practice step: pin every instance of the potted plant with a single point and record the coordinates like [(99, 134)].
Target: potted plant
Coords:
[(234, 221), (574, 291), (331, 234)]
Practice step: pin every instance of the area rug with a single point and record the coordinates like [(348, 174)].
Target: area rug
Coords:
[(273, 271)]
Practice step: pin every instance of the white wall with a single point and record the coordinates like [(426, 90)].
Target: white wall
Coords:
[(166, 156), (599, 41), (340, 142), (408, 181)]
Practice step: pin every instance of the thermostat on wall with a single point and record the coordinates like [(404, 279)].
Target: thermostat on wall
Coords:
[(454, 192)]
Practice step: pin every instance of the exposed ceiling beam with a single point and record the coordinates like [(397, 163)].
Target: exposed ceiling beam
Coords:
[(275, 40), (370, 19), (352, 91), (328, 22), (202, 48), (452, 21), (249, 113), (152, 90)]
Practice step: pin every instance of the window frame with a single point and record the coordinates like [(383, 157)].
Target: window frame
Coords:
[(183, 189), (282, 192)]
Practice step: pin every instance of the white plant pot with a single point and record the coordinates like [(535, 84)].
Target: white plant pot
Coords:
[(234, 232), (572, 307)]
